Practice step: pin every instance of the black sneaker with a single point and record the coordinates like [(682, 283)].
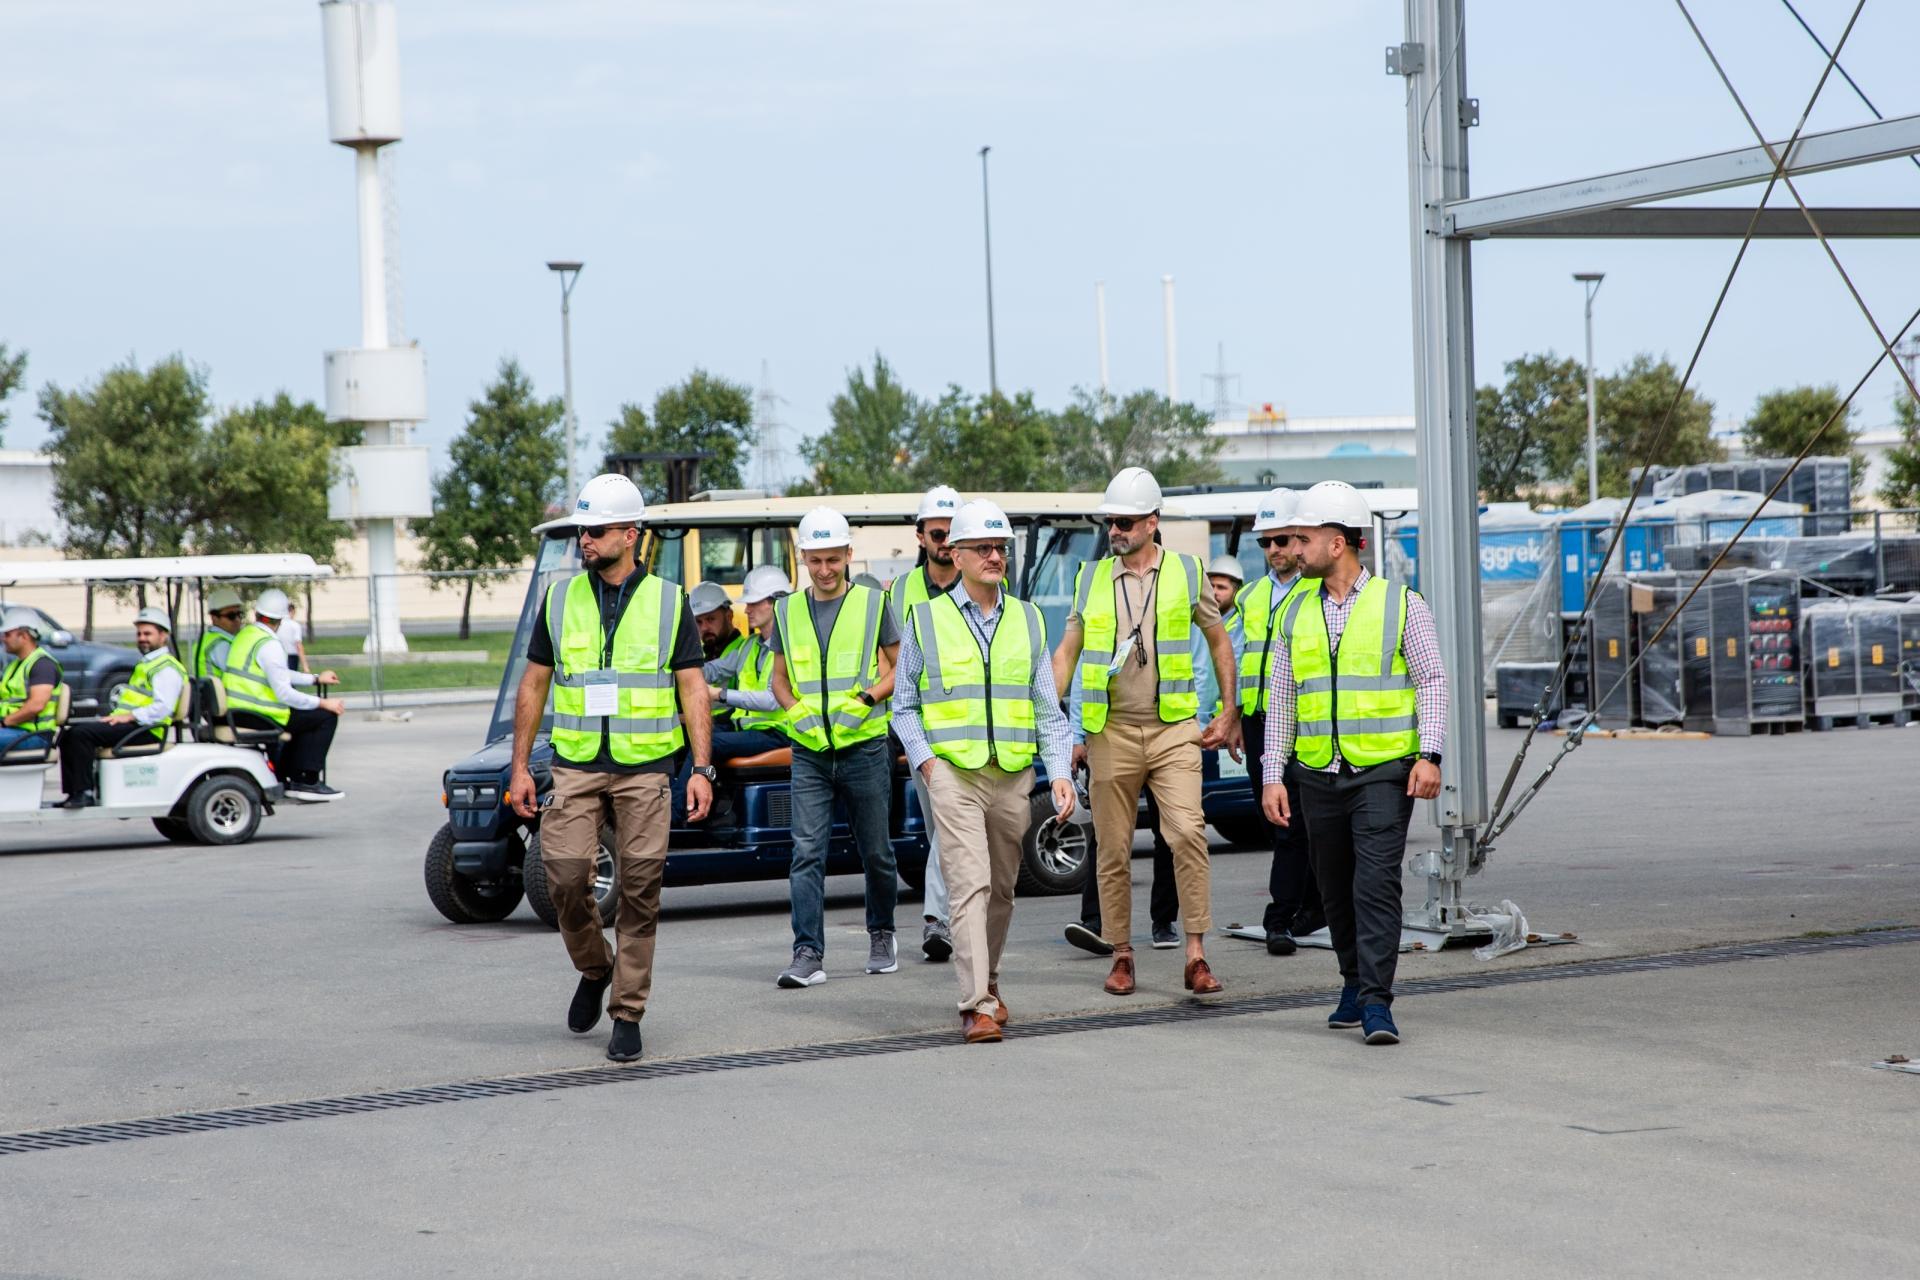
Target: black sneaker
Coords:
[(84, 800), (1164, 938), (313, 792), (936, 940), (589, 998), (1281, 943), (624, 1045), (1088, 940)]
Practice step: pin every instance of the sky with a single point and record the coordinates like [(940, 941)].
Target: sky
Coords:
[(798, 186)]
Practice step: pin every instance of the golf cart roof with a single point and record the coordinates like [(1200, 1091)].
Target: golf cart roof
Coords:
[(277, 567), (858, 508)]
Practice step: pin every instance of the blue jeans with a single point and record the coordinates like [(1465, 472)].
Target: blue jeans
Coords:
[(861, 777), (11, 738)]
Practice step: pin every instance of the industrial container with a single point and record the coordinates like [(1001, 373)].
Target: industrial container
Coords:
[(1752, 637), (1855, 650)]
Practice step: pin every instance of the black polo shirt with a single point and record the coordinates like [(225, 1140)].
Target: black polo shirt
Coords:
[(614, 599)]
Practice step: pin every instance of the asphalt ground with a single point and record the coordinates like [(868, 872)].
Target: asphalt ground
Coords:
[(146, 979)]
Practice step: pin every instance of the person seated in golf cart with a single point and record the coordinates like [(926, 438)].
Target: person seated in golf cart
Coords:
[(28, 709), (143, 708)]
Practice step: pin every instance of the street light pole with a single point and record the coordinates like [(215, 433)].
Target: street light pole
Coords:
[(1591, 279), (986, 222), (569, 273)]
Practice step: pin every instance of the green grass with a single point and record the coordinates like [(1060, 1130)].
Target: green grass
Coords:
[(425, 675), (496, 643)]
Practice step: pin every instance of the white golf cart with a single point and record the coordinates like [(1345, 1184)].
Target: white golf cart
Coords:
[(207, 781)]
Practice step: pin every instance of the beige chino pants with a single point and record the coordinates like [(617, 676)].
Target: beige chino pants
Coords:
[(1124, 758), (980, 816), (569, 842)]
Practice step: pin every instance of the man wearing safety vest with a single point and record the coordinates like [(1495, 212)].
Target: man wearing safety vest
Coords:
[(1293, 905), (974, 702), (834, 647), (262, 694), (719, 638), (1131, 638), (740, 680), (619, 650), (1358, 699), (210, 650), (28, 683), (934, 574), (143, 709)]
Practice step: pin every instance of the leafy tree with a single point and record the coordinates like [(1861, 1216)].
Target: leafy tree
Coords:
[(13, 373), (1901, 488), (1098, 437), (704, 414), (1782, 422), (128, 464), (1633, 404), (266, 467), (985, 443), (505, 469), (1533, 429), (866, 448)]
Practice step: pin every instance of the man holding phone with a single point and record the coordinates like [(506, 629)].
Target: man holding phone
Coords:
[(974, 702)]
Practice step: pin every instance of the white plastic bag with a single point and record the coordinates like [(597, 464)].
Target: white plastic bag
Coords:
[(1509, 931)]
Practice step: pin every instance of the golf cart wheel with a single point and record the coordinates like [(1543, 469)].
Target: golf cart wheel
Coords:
[(533, 874), (223, 809), (459, 899), (174, 829), (1247, 832), (1055, 857)]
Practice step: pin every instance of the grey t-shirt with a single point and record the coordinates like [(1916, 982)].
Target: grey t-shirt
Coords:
[(827, 612)]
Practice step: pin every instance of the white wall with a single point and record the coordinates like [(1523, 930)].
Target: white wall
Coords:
[(26, 497)]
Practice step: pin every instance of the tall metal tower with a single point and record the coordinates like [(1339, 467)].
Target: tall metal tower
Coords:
[(1225, 387), (770, 466)]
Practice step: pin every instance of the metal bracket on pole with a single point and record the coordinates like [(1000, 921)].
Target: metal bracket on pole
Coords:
[(1406, 59)]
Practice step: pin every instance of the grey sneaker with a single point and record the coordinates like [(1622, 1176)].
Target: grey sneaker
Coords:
[(882, 955), (805, 971), (936, 940)]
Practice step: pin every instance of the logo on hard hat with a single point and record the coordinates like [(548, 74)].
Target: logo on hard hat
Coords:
[(994, 522), (944, 503), (1266, 513), (582, 505), (823, 533)]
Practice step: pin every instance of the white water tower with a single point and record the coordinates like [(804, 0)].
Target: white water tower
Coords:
[(380, 386)]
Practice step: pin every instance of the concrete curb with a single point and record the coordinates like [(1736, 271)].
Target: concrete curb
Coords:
[(422, 698)]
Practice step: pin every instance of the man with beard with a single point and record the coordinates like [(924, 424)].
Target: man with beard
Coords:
[(143, 709)]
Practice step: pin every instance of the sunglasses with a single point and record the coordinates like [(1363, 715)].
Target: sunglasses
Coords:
[(599, 531), (227, 613), (986, 550), (1277, 540), (1125, 523), (935, 535)]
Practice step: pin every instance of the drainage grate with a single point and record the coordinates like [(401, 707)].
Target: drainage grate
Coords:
[(93, 1135)]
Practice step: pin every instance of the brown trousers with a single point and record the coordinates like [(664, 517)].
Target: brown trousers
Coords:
[(980, 816), (569, 842), (1166, 757)]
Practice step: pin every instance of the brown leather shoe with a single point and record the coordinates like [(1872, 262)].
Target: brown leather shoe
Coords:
[(1000, 1004), (1120, 981), (979, 1028), (1200, 979)]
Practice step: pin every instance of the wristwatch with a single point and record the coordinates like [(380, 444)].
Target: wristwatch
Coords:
[(1431, 757), (865, 697), (706, 771)]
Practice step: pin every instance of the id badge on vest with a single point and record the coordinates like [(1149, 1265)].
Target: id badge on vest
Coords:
[(603, 696), (1124, 652)]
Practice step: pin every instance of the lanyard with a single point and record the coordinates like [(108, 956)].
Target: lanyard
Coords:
[(1146, 610), (608, 625)]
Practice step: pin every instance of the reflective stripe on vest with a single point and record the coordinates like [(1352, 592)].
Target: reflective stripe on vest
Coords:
[(245, 677), (139, 690), (210, 653), (14, 690), (1259, 621), (828, 714), (756, 676), (645, 724), (909, 590), (973, 717), (1176, 587), (1363, 699)]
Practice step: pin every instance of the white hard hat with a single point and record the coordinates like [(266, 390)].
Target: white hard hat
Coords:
[(1134, 492), (1334, 502), (271, 604), (609, 498), (939, 502), (1276, 511), (764, 582), (707, 597), (980, 519), (222, 598), (21, 619), (822, 529), (1227, 567), (153, 617)]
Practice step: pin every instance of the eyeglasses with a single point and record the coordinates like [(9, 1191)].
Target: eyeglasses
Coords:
[(986, 550), (1125, 523), (599, 531)]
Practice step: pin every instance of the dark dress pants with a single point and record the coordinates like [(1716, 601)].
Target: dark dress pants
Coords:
[(78, 743), (1294, 896), (1357, 825), (305, 758)]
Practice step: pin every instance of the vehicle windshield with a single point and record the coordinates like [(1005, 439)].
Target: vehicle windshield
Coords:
[(1051, 556), (558, 558), (726, 552)]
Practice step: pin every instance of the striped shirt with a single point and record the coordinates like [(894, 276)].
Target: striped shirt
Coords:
[(1048, 718), (1420, 644)]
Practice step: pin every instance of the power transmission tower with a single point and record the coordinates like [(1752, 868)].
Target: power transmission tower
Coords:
[(1225, 387), (770, 468)]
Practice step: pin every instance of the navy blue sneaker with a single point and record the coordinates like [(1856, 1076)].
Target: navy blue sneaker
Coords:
[(1346, 1015), (1378, 1022)]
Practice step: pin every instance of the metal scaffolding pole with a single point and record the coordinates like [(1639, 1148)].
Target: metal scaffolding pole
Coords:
[(1433, 62)]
